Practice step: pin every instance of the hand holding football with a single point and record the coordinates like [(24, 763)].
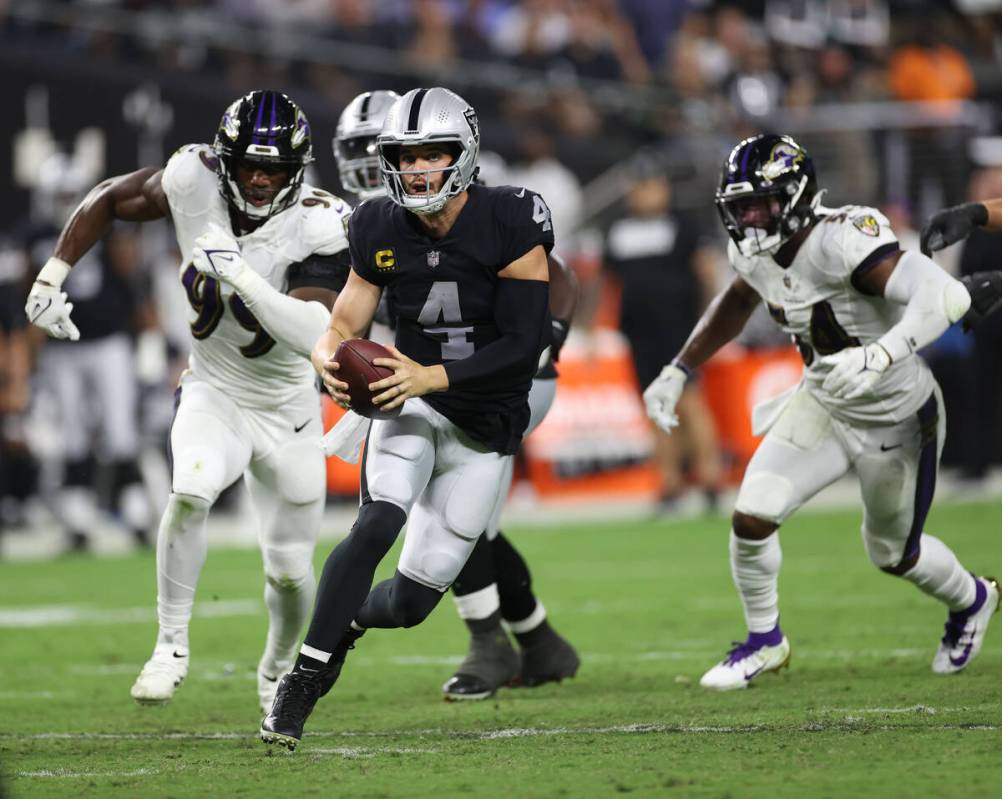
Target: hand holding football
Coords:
[(354, 357)]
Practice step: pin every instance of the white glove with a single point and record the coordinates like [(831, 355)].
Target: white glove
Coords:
[(855, 370), (217, 254), (46, 306), (661, 397)]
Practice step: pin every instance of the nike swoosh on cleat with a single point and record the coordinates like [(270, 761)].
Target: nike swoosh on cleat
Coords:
[(749, 676), (299, 427), (270, 679), (963, 658), (179, 656)]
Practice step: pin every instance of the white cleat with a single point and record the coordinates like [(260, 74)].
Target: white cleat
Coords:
[(743, 663), (965, 634), (161, 675), (267, 686)]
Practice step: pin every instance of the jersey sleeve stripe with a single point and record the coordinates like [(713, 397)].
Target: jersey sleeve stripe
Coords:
[(870, 262)]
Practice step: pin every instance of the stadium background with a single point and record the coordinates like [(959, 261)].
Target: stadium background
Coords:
[(897, 102)]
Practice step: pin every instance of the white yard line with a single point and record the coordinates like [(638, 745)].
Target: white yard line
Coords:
[(76, 775), (816, 725), (64, 615)]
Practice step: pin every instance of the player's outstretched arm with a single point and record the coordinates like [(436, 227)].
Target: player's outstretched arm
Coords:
[(722, 320), (352, 314), (933, 301), (954, 224), (136, 197)]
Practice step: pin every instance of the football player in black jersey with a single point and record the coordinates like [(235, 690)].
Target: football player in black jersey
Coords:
[(495, 583), (466, 269)]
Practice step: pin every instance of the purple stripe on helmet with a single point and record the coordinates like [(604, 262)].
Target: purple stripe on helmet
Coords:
[(925, 483), (255, 139), (271, 129), (744, 162)]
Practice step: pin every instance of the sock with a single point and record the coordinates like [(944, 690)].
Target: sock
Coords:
[(348, 573), (538, 632), (289, 604), (487, 624), (755, 569), (181, 551), (938, 573), (478, 572), (518, 603), (478, 605)]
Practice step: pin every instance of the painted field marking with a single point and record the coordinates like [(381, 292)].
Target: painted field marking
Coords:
[(63, 615), (817, 725), (76, 775)]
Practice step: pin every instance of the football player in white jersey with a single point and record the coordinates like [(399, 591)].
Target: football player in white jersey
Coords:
[(859, 308), (495, 584), (263, 258)]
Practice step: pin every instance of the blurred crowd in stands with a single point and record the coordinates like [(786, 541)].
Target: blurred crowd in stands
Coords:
[(617, 111)]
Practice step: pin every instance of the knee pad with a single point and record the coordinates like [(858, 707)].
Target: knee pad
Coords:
[(376, 528), (288, 566), (767, 496), (412, 602), (887, 554), (198, 472)]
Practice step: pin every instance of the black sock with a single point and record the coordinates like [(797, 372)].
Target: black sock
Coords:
[(513, 579), (485, 625), (479, 571), (398, 602), (348, 573), (538, 633)]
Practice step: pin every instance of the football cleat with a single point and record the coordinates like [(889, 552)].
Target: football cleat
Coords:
[(965, 632), (295, 697), (267, 686), (549, 659), (161, 675), (490, 663), (745, 662)]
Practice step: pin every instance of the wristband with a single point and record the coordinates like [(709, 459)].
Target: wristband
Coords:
[(680, 364), (54, 272)]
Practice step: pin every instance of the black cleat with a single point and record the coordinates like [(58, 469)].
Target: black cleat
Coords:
[(490, 663), (295, 699), (547, 658)]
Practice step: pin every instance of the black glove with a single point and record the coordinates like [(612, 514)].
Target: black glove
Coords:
[(559, 336), (985, 289), (951, 225)]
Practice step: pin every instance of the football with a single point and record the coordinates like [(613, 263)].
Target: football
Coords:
[(355, 356)]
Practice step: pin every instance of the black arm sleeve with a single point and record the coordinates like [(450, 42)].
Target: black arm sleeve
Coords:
[(521, 311), (321, 271)]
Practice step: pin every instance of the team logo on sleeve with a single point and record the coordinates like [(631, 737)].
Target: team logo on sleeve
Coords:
[(385, 259), (867, 225)]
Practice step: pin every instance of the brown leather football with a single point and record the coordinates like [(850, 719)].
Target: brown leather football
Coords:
[(354, 357)]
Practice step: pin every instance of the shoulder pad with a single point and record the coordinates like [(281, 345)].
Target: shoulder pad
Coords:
[(324, 225), (189, 168)]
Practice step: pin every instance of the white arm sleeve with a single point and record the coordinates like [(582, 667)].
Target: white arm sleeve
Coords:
[(933, 299), (296, 323)]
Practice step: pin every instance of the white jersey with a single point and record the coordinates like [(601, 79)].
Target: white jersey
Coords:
[(229, 349), (816, 300)]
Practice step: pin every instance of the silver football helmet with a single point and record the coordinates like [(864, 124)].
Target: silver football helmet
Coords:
[(355, 143), (429, 116)]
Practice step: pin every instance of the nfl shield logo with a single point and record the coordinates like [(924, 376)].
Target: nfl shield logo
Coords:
[(786, 281), (433, 258)]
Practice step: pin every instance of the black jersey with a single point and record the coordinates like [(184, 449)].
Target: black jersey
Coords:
[(442, 293)]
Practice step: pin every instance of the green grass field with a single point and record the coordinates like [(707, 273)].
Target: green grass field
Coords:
[(650, 607)]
